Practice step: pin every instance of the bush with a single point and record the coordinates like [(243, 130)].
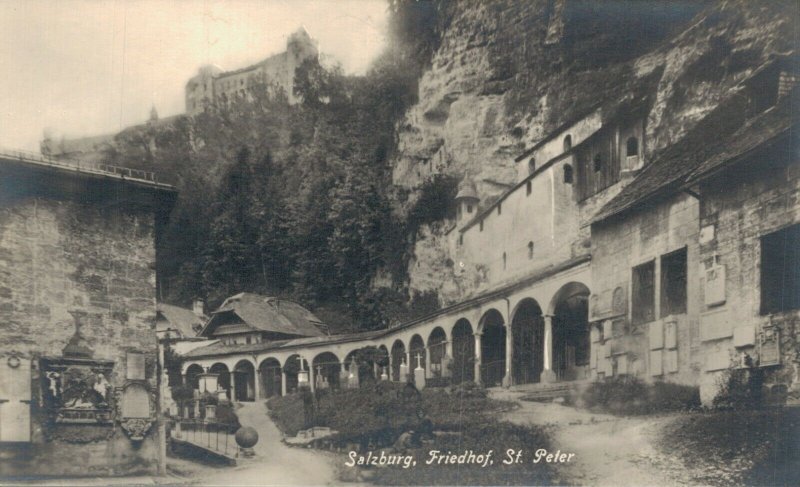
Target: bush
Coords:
[(740, 389), (629, 395), (226, 415), (284, 411)]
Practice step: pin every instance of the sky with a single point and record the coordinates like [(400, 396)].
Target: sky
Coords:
[(79, 68)]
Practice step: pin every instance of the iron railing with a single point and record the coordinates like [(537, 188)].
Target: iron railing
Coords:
[(78, 165), (212, 435)]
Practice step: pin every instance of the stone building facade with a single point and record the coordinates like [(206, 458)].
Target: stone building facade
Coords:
[(78, 368), (606, 259)]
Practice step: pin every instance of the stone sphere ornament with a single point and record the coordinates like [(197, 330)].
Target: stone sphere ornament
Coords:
[(246, 438)]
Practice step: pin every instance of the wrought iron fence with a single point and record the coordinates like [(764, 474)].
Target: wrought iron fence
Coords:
[(213, 435)]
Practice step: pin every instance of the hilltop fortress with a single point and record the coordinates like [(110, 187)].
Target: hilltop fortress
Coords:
[(211, 85)]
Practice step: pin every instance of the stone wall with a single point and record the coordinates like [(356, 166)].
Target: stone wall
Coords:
[(61, 255), (647, 350), (738, 209)]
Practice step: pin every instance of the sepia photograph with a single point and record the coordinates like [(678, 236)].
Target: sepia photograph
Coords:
[(399, 242)]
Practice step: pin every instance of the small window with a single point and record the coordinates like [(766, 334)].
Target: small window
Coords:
[(461, 240), (504, 261), (632, 147), (597, 162), (481, 226), (673, 283), (567, 174), (567, 143), (780, 270), (248, 339), (469, 208), (499, 208), (530, 250), (643, 293), (531, 165), (528, 188)]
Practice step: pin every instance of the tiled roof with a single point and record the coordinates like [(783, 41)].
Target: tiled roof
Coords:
[(270, 314), (724, 134), (180, 319)]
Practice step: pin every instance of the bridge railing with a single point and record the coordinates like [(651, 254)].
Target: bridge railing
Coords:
[(125, 172)]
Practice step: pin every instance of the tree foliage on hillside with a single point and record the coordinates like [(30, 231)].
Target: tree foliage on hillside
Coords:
[(292, 200)]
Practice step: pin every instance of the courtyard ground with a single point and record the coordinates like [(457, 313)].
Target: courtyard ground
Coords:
[(274, 463)]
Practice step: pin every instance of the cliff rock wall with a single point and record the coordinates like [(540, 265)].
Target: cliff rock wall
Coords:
[(509, 72)]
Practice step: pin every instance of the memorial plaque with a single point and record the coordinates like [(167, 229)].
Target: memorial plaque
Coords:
[(135, 366), (715, 324), (656, 362), (769, 347), (671, 334), (656, 335), (715, 285), (135, 402)]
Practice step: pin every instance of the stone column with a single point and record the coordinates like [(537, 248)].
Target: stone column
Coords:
[(232, 380), (508, 379), (256, 384), (478, 379), (311, 378), (283, 382), (428, 363), (548, 376), (410, 374)]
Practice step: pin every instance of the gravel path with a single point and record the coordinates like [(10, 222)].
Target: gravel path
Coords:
[(609, 450), (274, 462)]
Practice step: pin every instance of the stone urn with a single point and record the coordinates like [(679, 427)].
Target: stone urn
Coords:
[(246, 438)]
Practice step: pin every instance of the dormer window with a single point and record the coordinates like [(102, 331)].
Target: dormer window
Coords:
[(632, 147), (597, 162), (568, 143)]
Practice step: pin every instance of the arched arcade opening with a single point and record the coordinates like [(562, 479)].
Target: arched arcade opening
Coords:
[(223, 377), (571, 340), (327, 371), (493, 348), (463, 352), (244, 381), (270, 374), (437, 345), (527, 327)]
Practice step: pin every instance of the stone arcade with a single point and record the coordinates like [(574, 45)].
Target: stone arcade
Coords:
[(605, 259), (78, 365)]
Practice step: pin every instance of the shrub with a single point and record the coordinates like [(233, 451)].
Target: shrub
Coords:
[(629, 395), (226, 415), (740, 389), (284, 410)]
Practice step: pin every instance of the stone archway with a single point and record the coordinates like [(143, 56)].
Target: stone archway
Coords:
[(493, 348), (327, 370), (193, 376), (398, 358), (291, 368), (244, 381), (437, 346), (527, 327), (570, 327), (270, 375), (223, 377), (463, 352)]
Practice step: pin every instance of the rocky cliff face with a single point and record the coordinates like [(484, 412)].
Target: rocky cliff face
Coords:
[(508, 72)]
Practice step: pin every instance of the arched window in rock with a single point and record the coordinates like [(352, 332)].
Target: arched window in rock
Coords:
[(632, 147), (597, 162)]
